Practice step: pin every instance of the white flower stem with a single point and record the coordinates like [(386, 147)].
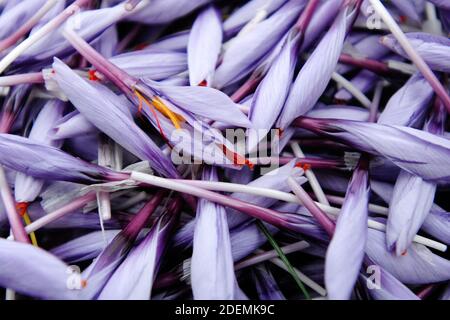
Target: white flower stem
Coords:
[(360, 96), (304, 278), (411, 52), (312, 179), (268, 255), (27, 26), (14, 219), (186, 186), (42, 32)]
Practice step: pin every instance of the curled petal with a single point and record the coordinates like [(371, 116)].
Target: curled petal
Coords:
[(410, 204)]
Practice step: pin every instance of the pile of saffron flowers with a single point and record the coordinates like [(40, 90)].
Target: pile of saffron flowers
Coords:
[(212, 149)]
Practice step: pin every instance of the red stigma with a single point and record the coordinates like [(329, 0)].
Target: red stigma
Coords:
[(204, 83), (22, 208), (403, 19), (92, 75), (304, 166), (404, 253), (236, 158)]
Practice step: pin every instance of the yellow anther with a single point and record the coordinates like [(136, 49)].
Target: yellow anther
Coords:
[(27, 220), (161, 107)]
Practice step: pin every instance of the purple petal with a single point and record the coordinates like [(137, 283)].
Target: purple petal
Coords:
[(398, 144), (206, 102), (346, 250), (212, 268), (266, 285), (48, 163), (407, 107), (271, 94), (111, 115), (164, 11), (205, 42), (246, 50), (133, 279), (435, 50), (315, 75), (152, 64), (409, 9), (249, 11), (14, 16), (390, 288), (86, 247), (418, 266), (72, 125), (364, 81), (410, 204), (27, 188), (441, 3), (40, 275)]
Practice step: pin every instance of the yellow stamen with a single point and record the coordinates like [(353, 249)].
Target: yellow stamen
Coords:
[(27, 220), (161, 107)]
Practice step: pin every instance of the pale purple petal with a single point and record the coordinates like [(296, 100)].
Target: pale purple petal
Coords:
[(205, 42), (212, 268), (346, 250), (315, 75), (40, 275), (407, 107), (248, 49)]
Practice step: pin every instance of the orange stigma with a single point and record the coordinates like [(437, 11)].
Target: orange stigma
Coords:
[(304, 166), (204, 83)]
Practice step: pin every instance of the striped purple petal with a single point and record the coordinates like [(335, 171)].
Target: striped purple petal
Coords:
[(153, 64), (435, 50), (248, 49), (49, 163), (72, 125), (250, 12), (133, 279), (271, 93), (212, 268), (26, 188), (400, 145), (407, 107), (410, 204), (164, 11), (111, 114), (205, 42), (206, 102), (389, 288), (418, 266), (41, 275), (315, 75), (346, 250)]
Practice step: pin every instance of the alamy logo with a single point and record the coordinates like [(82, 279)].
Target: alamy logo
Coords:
[(373, 19), (374, 279)]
